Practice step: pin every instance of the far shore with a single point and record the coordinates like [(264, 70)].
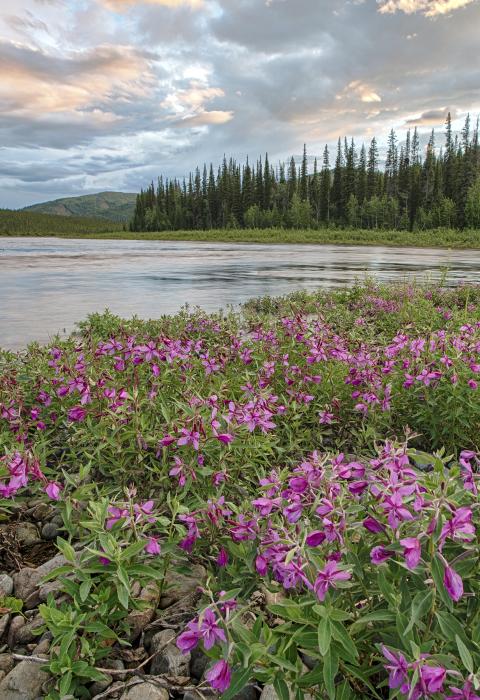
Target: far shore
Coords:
[(438, 238)]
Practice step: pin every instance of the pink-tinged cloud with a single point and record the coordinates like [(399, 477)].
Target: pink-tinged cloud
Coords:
[(32, 84), (117, 5), (206, 118), (430, 8)]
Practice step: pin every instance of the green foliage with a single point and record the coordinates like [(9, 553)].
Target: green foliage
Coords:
[(27, 223)]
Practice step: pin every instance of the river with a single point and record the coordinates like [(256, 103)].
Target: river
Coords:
[(47, 284)]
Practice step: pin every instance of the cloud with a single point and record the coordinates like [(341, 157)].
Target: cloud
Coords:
[(433, 117), (34, 82), (430, 8), (122, 4), (362, 91)]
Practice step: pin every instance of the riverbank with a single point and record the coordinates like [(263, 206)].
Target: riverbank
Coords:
[(284, 497), (438, 238)]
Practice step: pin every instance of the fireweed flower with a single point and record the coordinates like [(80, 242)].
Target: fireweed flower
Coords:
[(412, 551), (465, 693), (397, 670), (222, 558), (328, 577), (219, 676), (152, 546), (453, 584), (380, 554), (53, 490)]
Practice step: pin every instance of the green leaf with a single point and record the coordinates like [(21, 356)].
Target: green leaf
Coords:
[(465, 655), (281, 688), (66, 549), (324, 635), (421, 605), (84, 589), (240, 679), (341, 635), (330, 670)]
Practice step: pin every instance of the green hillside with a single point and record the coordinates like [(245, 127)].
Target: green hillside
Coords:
[(114, 206), (32, 223)]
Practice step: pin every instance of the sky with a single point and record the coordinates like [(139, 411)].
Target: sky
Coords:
[(108, 94)]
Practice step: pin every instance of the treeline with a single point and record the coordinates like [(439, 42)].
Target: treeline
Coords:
[(26, 223), (412, 191)]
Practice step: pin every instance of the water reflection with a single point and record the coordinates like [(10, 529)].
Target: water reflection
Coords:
[(47, 284)]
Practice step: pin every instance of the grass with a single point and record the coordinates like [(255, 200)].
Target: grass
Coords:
[(438, 238)]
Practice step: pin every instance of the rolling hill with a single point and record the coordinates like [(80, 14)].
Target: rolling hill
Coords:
[(113, 206)]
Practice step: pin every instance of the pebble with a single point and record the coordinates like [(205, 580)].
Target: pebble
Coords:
[(6, 585), (144, 691), (170, 659), (50, 531), (26, 534)]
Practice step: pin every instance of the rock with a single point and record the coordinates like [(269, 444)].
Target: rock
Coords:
[(26, 633), (269, 693), (16, 625), (198, 663), (25, 582), (6, 663), (178, 586), (26, 534), (248, 692), (137, 620), (50, 531), (6, 585), (144, 691), (4, 622), (99, 686), (53, 587), (2, 675), (24, 682), (169, 659), (207, 693), (39, 512)]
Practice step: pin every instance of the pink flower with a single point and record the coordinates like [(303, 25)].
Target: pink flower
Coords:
[(222, 559), (219, 676), (412, 551), (152, 546), (465, 693), (53, 490), (76, 414), (380, 554), (397, 668), (432, 678), (328, 577), (189, 639), (453, 583)]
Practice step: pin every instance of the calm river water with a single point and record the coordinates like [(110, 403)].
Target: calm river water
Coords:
[(47, 284)]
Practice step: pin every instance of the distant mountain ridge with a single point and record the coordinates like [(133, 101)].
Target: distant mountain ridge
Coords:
[(113, 206)]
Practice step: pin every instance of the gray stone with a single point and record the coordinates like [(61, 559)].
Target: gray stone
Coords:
[(99, 686), (248, 692), (204, 693), (269, 693), (50, 531), (26, 534), (53, 587), (198, 664), (6, 585), (169, 659), (26, 580), (137, 620), (144, 691), (4, 622), (26, 633), (24, 682), (178, 586), (6, 663), (15, 626)]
